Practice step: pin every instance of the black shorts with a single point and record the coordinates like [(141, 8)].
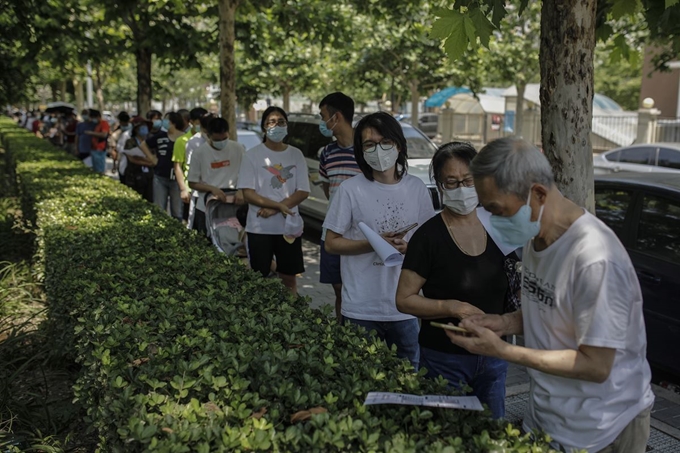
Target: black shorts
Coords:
[(263, 247)]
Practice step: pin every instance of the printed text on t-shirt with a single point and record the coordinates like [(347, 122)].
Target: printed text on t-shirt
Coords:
[(537, 290)]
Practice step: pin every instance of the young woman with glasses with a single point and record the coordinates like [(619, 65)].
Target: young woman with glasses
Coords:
[(275, 181), (460, 271), (387, 199)]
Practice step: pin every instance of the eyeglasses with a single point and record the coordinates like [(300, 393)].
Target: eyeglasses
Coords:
[(371, 147), (272, 123), (451, 184)]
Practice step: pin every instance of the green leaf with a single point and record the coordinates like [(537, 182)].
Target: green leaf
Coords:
[(470, 30), (670, 3), (622, 8), (499, 12), (444, 25), (483, 27)]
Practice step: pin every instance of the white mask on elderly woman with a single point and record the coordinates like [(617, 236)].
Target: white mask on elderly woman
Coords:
[(462, 200)]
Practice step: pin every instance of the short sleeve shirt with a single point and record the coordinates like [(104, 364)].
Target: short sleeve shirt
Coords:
[(161, 145), (99, 144), (275, 175), (219, 168)]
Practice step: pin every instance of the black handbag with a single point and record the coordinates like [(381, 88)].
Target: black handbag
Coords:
[(513, 270)]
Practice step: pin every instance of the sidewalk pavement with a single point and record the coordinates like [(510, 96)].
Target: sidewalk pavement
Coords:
[(665, 432)]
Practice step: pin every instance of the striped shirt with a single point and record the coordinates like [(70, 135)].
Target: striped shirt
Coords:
[(337, 164)]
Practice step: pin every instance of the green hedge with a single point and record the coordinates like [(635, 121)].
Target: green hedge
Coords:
[(183, 349)]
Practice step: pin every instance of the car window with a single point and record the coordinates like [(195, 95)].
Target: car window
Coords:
[(658, 233), (644, 156), (248, 140), (669, 158), (419, 146), (613, 156), (611, 206), (306, 137)]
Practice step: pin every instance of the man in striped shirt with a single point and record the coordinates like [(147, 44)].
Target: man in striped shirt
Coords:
[(336, 164)]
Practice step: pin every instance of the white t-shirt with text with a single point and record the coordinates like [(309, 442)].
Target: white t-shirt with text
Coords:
[(275, 175), (583, 290), (219, 168), (192, 145), (368, 286)]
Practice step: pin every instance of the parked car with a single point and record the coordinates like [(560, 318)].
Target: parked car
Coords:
[(644, 212), (303, 133), (427, 122), (642, 158), (248, 138)]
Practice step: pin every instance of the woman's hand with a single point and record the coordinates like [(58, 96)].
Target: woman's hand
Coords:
[(496, 323), (285, 210), (464, 310), (397, 241)]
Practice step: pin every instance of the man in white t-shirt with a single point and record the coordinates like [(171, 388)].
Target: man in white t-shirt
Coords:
[(387, 199), (581, 316), (215, 166), (195, 142)]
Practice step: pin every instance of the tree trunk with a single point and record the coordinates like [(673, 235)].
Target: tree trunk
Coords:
[(566, 56), (519, 108), (98, 87), (286, 98), (62, 90), (80, 94), (227, 26), (143, 57), (415, 100)]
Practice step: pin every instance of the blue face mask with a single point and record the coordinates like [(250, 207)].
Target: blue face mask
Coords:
[(157, 124), (518, 229), (86, 117), (166, 124), (323, 128), (197, 128), (277, 133), (126, 127), (143, 130)]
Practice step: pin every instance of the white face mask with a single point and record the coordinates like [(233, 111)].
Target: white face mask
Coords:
[(380, 159), (462, 200), (221, 144)]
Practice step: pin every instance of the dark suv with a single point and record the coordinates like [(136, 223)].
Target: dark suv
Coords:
[(643, 209), (303, 133)]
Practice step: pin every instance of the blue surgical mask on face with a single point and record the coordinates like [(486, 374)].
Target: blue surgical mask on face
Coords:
[(277, 133), (323, 128), (518, 229), (197, 128), (143, 130), (86, 117), (126, 127), (166, 124), (157, 124)]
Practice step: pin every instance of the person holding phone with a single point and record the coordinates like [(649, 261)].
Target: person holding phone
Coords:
[(387, 199), (460, 271)]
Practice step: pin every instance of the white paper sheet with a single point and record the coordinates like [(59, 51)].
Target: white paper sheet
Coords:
[(88, 161), (469, 403), (485, 217), (136, 152), (387, 253)]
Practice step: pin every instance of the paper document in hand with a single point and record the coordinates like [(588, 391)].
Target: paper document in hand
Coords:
[(387, 253), (135, 152), (469, 403)]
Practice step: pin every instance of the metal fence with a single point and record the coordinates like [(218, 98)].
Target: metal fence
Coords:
[(667, 130)]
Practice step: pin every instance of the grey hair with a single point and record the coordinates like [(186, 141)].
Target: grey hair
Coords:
[(514, 164)]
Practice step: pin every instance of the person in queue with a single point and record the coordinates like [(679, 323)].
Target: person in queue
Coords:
[(137, 171), (460, 271), (386, 199), (275, 180), (581, 315)]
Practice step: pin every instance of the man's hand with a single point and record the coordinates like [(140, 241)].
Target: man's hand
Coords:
[(220, 195), (480, 340), (185, 195), (238, 199), (496, 323), (266, 212)]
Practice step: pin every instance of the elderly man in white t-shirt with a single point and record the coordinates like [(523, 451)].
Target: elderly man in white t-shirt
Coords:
[(585, 341)]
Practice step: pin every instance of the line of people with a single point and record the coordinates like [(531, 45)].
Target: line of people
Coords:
[(581, 304)]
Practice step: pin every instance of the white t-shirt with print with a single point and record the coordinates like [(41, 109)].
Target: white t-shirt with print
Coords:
[(219, 168), (275, 175), (583, 290), (368, 287), (192, 145)]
